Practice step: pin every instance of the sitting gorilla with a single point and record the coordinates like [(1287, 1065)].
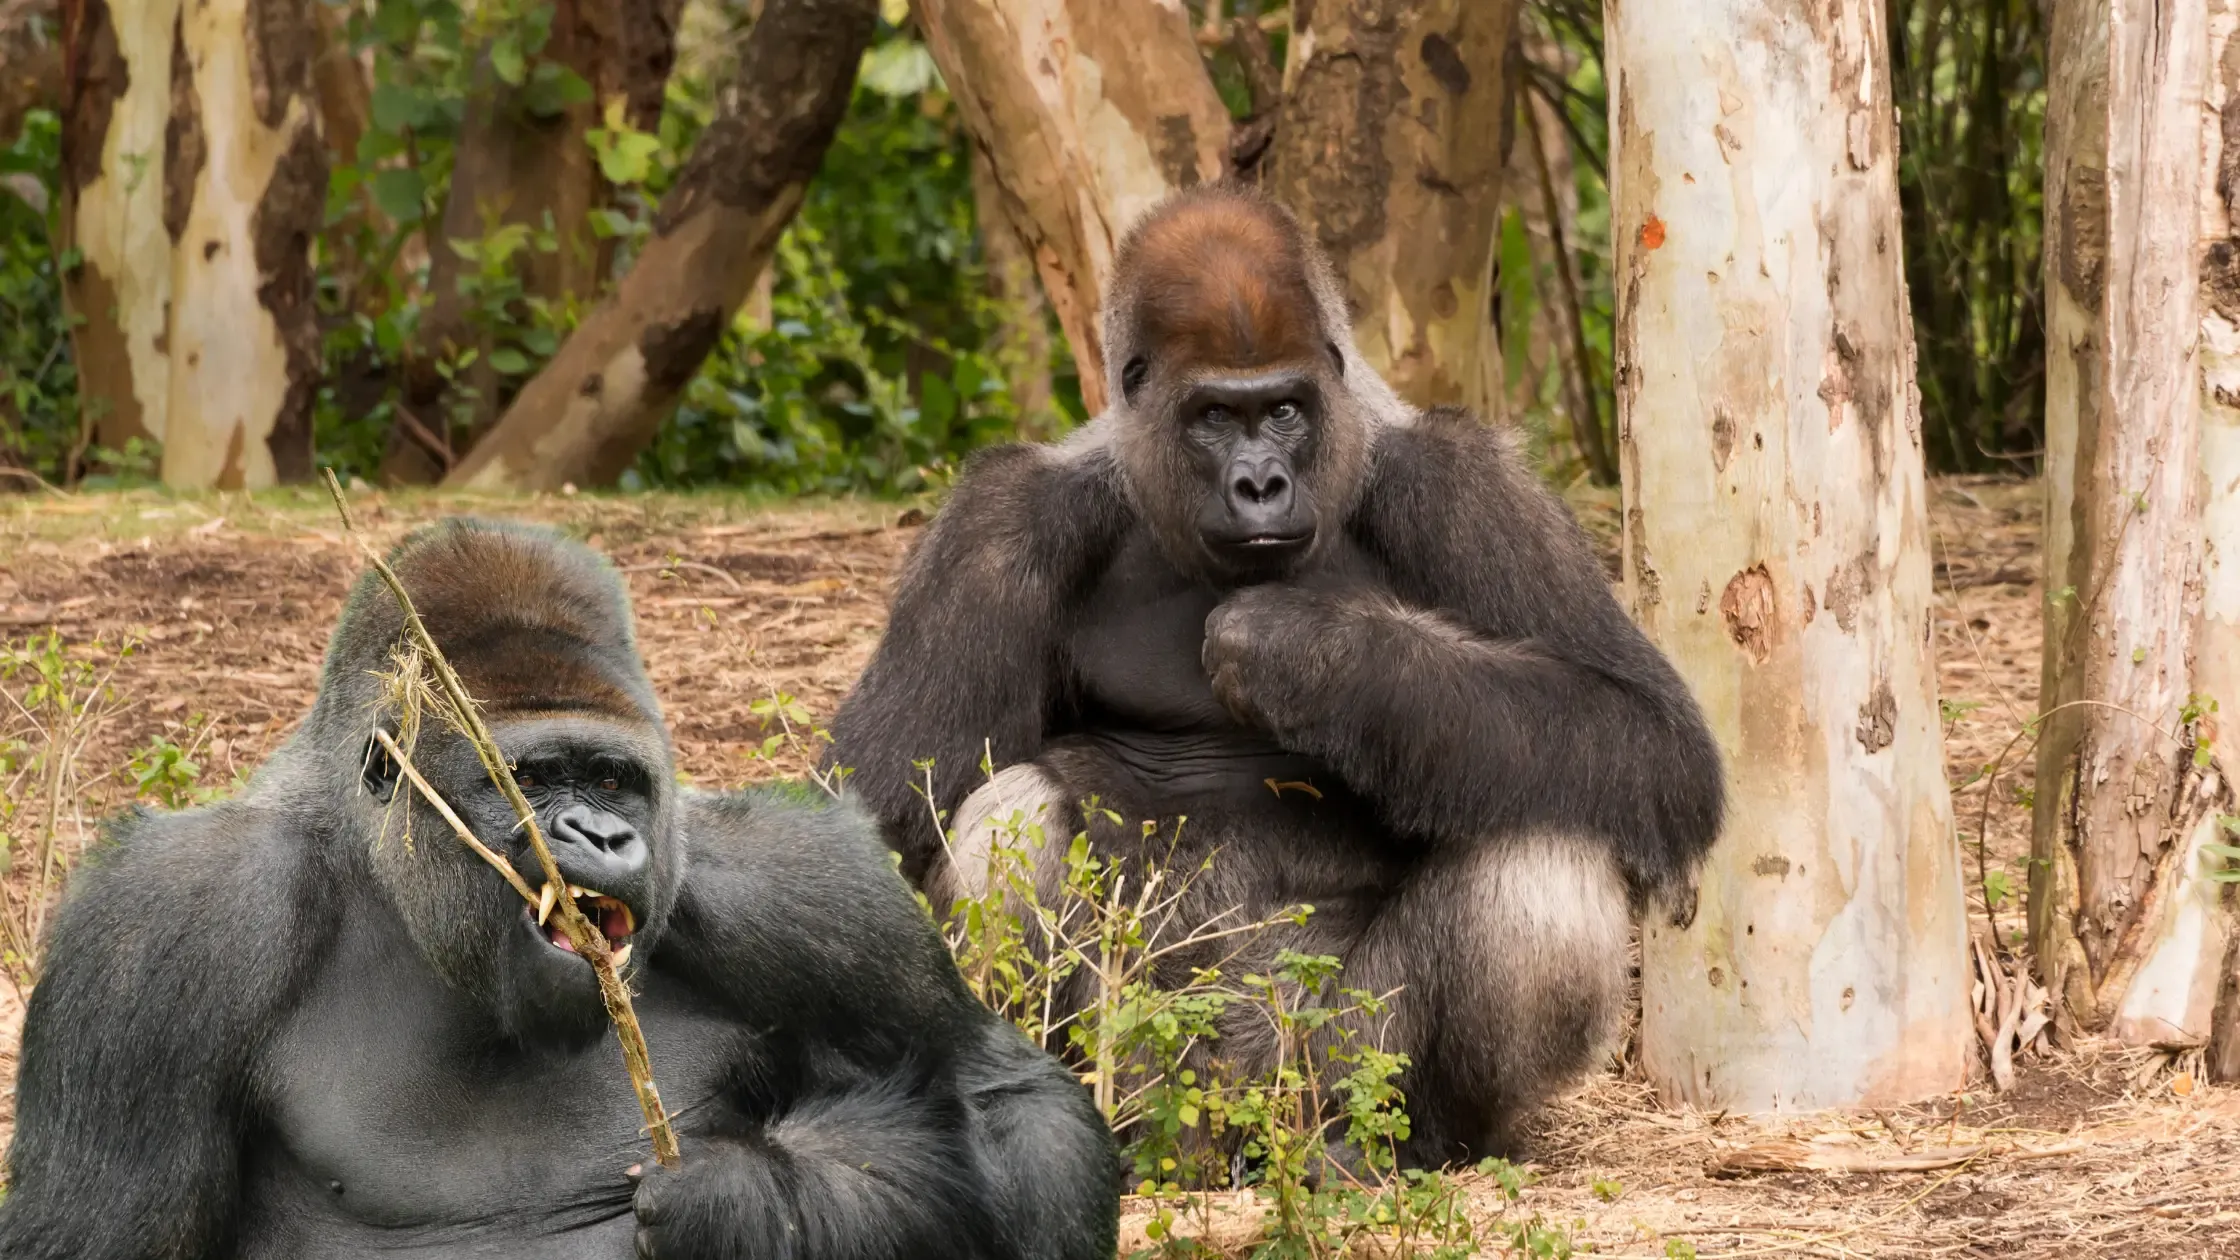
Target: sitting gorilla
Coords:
[(1372, 661), (310, 1022)]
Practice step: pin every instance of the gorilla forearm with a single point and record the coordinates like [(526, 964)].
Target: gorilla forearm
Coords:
[(867, 1173), (968, 665), (1457, 737)]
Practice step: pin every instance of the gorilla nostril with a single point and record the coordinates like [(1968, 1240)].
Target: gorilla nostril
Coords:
[(1275, 485)]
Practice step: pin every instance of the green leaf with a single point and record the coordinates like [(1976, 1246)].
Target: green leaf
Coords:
[(897, 68), (552, 88), (508, 60), (937, 401), (400, 193), (396, 108), (509, 361)]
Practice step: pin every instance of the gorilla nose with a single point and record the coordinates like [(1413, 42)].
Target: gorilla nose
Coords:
[(603, 845), (1266, 485)]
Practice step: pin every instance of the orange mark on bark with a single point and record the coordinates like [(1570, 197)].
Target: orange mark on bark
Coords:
[(1652, 233)]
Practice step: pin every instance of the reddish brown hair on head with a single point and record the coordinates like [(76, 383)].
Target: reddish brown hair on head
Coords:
[(1218, 278)]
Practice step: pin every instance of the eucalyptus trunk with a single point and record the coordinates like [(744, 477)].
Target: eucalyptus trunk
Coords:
[(1776, 547)]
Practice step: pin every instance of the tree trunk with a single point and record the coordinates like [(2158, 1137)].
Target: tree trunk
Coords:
[(2131, 778), (1091, 112), (245, 191), (1776, 546), (30, 61), (1383, 149), (585, 417), (514, 166), (1022, 342), (115, 108), (2199, 956)]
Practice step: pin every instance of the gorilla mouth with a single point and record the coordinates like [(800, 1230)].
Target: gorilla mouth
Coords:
[(613, 919)]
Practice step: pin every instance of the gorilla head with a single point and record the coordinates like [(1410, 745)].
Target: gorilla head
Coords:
[(539, 630), (1243, 415)]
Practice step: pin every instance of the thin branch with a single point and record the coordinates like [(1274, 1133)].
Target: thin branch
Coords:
[(588, 941), (466, 836)]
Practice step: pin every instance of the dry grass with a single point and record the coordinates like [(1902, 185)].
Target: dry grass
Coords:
[(2096, 1152)]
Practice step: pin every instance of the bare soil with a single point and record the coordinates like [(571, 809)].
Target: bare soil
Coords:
[(2097, 1152)]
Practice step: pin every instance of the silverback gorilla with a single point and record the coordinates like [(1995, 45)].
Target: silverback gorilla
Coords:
[(1257, 569), (308, 1022)]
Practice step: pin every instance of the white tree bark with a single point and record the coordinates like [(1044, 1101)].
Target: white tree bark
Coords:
[(117, 105), (246, 166), (1776, 546), (2140, 517)]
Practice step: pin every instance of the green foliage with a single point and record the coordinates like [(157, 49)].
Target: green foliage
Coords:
[(38, 378), (1969, 82), (876, 369), (1321, 1164)]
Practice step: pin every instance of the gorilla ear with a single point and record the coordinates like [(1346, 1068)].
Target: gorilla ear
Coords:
[(379, 771), (1132, 376)]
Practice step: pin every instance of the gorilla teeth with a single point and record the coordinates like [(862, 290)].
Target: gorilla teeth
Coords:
[(545, 901), (621, 956)]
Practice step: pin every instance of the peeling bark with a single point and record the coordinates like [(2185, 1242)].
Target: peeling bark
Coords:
[(30, 61), (585, 417), (2126, 926), (1755, 214), (1384, 148), (2188, 958), (245, 177), (1090, 111), (116, 105)]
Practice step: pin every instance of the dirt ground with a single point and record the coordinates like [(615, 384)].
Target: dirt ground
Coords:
[(2096, 1152)]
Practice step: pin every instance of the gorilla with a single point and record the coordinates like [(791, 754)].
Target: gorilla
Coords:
[(1359, 647), (310, 1022)]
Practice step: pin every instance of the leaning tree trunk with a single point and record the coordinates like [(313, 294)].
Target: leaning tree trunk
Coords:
[(245, 190), (1384, 148), (585, 417), (2124, 920), (517, 166), (1091, 112), (116, 106), (1776, 546)]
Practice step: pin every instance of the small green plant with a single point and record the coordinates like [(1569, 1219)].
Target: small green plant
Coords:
[(1679, 1249), (165, 771), (1608, 1189), (58, 697)]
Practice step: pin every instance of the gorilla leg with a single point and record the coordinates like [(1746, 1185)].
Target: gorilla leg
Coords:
[(1510, 958), (1005, 812)]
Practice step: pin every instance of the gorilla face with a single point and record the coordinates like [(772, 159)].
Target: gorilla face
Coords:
[(1251, 436), (600, 796)]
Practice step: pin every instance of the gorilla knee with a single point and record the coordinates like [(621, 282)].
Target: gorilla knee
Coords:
[(1549, 924), (1022, 813)]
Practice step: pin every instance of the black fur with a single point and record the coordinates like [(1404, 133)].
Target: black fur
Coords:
[(1493, 742), (272, 1027)]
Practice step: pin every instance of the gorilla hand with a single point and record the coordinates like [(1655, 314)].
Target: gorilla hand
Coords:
[(712, 1206), (1278, 655)]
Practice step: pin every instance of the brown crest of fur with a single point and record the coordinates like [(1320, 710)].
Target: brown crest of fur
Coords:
[(534, 623), (1218, 278)]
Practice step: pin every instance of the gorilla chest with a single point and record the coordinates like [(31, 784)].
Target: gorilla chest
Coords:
[(1136, 655), (397, 1125)]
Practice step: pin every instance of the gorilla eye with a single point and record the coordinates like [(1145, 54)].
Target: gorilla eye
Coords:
[(1284, 412), (1132, 377), (610, 784), (524, 780)]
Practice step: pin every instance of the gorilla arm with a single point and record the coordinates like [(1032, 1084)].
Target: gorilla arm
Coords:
[(172, 956), (922, 1125), (969, 662), (1497, 686)]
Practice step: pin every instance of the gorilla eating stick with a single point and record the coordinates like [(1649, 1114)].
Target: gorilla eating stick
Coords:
[(306, 1022)]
